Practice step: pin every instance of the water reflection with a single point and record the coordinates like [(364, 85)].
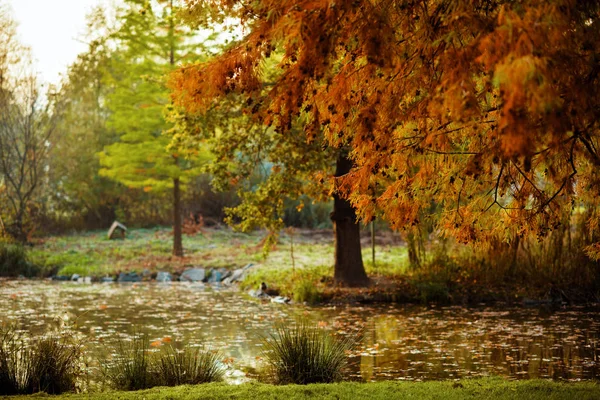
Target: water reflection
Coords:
[(397, 342)]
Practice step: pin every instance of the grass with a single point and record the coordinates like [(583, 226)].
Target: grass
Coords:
[(304, 354), (135, 366), (92, 254), (483, 388), (447, 272), (48, 364), (130, 369), (189, 366)]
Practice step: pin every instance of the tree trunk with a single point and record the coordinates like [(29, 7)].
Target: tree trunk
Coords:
[(177, 245), (349, 269)]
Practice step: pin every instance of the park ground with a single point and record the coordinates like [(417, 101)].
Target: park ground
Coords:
[(299, 266), (483, 388)]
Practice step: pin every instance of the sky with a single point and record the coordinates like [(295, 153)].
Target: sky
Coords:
[(51, 29)]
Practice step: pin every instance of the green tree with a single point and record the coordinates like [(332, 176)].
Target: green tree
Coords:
[(77, 191), (151, 41)]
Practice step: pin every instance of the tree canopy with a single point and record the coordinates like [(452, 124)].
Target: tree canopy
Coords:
[(485, 110)]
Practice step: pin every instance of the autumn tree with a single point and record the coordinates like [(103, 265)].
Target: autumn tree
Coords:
[(486, 108), (150, 42)]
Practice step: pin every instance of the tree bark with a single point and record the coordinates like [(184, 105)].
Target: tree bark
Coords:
[(177, 243), (349, 268)]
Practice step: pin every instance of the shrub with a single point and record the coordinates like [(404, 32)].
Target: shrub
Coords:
[(302, 354), (190, 366), (50, 364), (13, 261), (305, 290)]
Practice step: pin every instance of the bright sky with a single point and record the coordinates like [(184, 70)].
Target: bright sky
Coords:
[(51, 29)]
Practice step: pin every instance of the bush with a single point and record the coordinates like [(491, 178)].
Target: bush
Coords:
[(50, 364), (188, 366), (305, 290), (135, 367), (13, 261), (302, 355)]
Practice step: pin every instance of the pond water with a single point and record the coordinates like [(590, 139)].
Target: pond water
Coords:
[(396, 342)]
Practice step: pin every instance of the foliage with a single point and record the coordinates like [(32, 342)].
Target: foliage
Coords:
[(13, 260), (48, 364), (151, 41), (485, 108), (303, 354), (76, 194)]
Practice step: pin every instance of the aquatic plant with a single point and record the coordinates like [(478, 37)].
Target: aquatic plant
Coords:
[(130, 369), (135, 366), (49, 364), (303, 354), (188, 366)]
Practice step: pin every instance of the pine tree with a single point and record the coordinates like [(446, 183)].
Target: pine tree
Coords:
[(151, 41)]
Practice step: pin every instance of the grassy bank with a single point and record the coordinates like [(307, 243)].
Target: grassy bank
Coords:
[(301, 266), (489, 388), (91, 253)]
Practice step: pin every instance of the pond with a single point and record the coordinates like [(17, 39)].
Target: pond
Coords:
[(395, 341)]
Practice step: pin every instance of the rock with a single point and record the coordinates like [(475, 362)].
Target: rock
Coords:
[(107, 279), (117, 231), (238, 275), (193, 275), (163, 276), (217, 275), (61, 278), (87, 279), (75, 277), (129, 277)]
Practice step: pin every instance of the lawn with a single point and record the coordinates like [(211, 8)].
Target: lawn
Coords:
[(92, 254), (483, 388)]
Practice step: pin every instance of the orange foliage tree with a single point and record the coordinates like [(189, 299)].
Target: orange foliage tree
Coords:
[(488, 109)]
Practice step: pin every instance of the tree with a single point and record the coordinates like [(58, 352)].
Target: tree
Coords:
[(151, 41), (27, 123), (486, 108), (267, 167), (76, 190)]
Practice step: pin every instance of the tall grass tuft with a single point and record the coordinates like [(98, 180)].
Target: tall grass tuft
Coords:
[(131, 367), (189, 366), (304, 354), (10, 361), (53, 365), (50, 364), (136, 367)]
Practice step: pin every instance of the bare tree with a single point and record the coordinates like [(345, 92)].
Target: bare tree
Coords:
[(27, 122)]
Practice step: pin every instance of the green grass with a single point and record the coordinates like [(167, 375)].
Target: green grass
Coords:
[(487, 388), (92, 254)]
